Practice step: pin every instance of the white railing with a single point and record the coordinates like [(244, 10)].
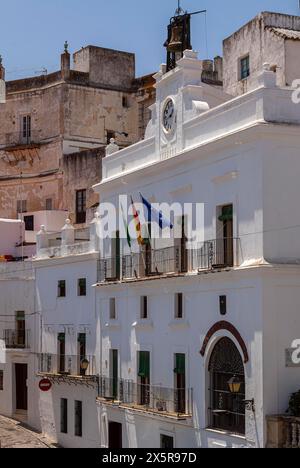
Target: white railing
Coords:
[(66, 250)]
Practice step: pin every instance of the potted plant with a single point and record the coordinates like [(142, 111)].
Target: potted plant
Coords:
[(294, 405)]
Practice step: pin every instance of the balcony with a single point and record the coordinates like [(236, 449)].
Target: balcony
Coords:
[(65, 366), (18, 140), (212, 255), (171, 402), (283, 432), (17, 339)]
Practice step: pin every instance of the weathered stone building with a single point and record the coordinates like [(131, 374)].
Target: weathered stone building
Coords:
[(66, 112), (271, 38)]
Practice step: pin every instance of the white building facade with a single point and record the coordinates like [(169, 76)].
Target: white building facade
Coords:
[(178, 327)]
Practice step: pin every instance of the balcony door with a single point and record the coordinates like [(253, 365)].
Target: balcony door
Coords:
[(26, 129), (114, 373), (144, 378), (224, 244), (81, 352), (20, 329), (61, 353), (180, 384)]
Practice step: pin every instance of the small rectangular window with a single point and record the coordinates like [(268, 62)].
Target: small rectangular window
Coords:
[(29, 223), (178, 306), (112, 309), (82, 287), (49, 204), (124, 101), (1, 380), (62, 288), (64, 416), (166, 442), (80, 206), (78, 418), (144, 307), (245, 67)]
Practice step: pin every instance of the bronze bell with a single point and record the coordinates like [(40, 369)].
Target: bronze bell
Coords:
[(175, 44)]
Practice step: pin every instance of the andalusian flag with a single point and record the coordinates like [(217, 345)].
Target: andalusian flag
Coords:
[(126, 226), (137, 224)]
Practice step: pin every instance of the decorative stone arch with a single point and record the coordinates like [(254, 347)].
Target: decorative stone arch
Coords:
[(223, 325)]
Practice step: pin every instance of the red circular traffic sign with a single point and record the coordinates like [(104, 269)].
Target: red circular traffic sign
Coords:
[(45, 385)]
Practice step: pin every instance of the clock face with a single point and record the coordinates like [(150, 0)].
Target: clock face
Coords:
[(169, 118)]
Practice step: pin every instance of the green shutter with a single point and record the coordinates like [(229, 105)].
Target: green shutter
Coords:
[(61, 337), (144, 364), (180, 364), (227, 214), (82, 338), (20, 316)]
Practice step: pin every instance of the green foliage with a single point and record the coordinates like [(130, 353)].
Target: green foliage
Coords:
[(294, 404)]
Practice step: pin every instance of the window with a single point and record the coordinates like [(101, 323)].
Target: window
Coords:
[(61, 362), (179, 306), (1, 380), (26, 128), (180, 383), (144, 377), (49, 204), (20, 329), (144, 307), (245, 67), (82, 287), (114, 372), (78, 418), (112, 309), (80, 206), (124, 101), (64, 416), (21, 206), (227, 410), (166, 442), (62, 291), (109, 135), (29, 223)]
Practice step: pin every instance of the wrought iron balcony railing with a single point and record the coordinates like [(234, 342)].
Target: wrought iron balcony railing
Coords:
[(17, 339), (79, 366), (176, 402), (214, 254), (217, 253)]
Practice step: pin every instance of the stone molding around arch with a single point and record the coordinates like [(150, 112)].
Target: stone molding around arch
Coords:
[(223, 325)]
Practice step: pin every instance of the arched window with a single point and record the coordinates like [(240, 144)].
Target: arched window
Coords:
[(227, 410)]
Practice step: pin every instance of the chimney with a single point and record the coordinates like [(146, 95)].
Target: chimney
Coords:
[(65, 63), (2, 70), (219, 67)]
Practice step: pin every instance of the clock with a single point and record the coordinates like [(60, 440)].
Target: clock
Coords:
[(169, 116)]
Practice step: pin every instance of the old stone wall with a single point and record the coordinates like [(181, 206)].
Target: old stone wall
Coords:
[(258, 39), (80, 172)]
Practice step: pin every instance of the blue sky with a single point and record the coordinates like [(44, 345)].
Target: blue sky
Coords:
[(32, 32)]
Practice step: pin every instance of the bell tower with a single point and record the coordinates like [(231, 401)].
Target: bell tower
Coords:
[(179, 36)]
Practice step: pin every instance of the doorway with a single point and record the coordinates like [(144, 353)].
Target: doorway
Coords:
[(115, 439), (21, 375)]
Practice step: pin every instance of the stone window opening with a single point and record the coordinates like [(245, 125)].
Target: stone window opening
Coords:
[(245, 67)]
